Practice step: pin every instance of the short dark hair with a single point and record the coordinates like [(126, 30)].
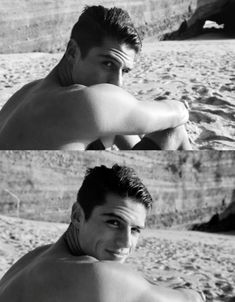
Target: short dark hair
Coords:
[(120, 180), (97, 23)]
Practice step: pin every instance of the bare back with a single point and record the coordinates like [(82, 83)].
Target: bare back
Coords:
[(51, 274), (44, 115), (13, 108), (30, 121)]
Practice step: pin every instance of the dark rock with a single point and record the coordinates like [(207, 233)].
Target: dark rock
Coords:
[(219, 11), (223, 222)]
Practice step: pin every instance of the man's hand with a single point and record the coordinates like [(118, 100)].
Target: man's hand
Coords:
[(186, 104)]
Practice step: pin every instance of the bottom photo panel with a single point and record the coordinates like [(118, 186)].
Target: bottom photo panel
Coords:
[(97, 226)]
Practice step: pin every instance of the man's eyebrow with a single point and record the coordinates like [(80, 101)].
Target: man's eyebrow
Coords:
[(119, 217), (110, 57), (113, 216)]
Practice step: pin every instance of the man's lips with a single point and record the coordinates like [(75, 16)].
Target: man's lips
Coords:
[(117, 253)]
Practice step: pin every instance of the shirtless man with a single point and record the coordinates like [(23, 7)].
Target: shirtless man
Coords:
[(86, 263), (81, 99)]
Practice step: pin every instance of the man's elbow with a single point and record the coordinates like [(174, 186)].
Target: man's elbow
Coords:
[(181, 116)]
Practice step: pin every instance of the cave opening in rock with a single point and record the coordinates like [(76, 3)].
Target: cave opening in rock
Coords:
[(217, 25), (212, 25), (222, 20)]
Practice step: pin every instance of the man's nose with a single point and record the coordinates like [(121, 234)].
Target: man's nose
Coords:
[(124, 239), (116, 79)]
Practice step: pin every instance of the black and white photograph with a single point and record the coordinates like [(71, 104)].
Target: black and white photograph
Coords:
[(117, 151), (94, 75), (93, 226)]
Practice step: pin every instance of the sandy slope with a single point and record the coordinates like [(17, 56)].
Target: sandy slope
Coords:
[(200, 71), (166, 257)]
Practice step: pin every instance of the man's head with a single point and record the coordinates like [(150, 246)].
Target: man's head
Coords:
[(110, 212), (104, 42), (98, 23)]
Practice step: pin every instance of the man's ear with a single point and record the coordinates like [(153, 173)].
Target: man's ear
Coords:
[(77, 214), (73, 51)]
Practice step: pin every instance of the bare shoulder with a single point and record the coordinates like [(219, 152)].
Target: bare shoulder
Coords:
[(87, 280), (76, 105), (23, 262), (111, 280), (117, 280), (100, 93)]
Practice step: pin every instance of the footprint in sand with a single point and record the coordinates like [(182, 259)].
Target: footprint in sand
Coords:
[(185, 97), (162, 96), (221, 113), (141, 92), (201, 89), (198, 116), (208, 135), (166, 77), (214, 101), (8, 86), (227, 87), (217, 94), (225, 286), (227, 290)]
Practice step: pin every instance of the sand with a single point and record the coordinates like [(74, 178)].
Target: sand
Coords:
[(165, 257), (200, 71)]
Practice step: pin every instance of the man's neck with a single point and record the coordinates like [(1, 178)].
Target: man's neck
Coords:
[(72, 242), (64, 73)]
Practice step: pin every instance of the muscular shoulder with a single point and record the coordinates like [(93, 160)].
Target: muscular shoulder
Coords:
[(96, 94), (95, 281), (84, 281), (114, 280)]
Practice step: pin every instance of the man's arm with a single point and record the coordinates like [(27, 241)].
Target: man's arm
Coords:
[(106, 281), (121, 281), (117, 112), (104, 110)]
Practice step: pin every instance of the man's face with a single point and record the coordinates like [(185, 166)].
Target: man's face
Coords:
[(113, 229), (105, 64)]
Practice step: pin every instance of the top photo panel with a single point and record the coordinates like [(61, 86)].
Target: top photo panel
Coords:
[(146, 75)]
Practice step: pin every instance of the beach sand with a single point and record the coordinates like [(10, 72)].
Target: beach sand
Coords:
[(165, 257), (200, 71)]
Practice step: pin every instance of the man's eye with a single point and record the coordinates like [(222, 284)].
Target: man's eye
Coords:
[(108, 64), (113, 223), (136, 231), (125, 70)]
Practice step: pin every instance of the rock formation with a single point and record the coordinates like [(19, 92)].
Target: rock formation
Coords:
[(45, 25), (27, 26), (219, 11), (185, 186), (219, 222)]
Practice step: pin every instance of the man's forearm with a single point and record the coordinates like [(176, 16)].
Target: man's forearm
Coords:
[(164, 115), (113, 111), (163, 294)]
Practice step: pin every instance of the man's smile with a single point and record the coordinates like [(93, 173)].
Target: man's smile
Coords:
[(117, 255)]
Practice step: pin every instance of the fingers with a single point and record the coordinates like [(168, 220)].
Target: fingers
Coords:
[(186, 104)]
